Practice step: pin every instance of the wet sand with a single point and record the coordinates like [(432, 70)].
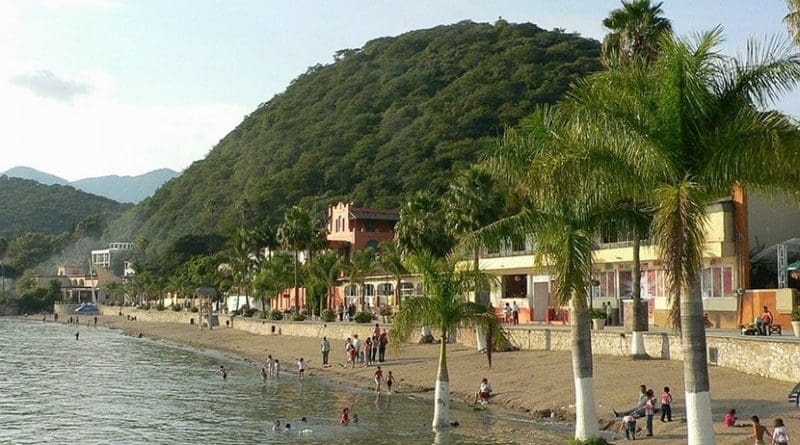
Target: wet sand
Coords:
[(523, 381)]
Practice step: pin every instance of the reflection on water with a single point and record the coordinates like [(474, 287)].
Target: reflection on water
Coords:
[(111, 388)]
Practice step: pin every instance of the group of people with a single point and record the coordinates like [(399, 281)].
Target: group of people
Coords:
[(271, 368), (372, 351), (349, 310), (646, 406), (779, 435), (511, 313)]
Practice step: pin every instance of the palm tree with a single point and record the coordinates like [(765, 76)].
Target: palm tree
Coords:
[(391, 260), (444, 307), (691, 126), (636, 29), (325, 270), (360, 266), (273, 276), (241, 259), (421, 226), (792, 19), (3, 250), (296, 233)]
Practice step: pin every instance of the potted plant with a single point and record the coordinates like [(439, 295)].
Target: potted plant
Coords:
[(796, 321), (598, 319)]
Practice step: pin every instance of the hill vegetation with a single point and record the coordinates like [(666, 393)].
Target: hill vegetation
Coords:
[(382, 122), (28, 206)]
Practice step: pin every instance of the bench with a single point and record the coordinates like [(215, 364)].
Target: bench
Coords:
[(774, 328)]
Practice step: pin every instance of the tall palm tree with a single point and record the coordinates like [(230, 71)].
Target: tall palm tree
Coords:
[(391, 261), (241, 259), (421, 226), (296, 233), (326, 270), (273, 276), (792, 19), (360, 266), (445, 307), (692, 126), (635, 32)]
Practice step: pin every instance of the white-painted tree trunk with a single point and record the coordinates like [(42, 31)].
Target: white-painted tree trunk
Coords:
[(698, 418), (426, 331), (637, 344), (585, 412), (480, 338), (441, 405)]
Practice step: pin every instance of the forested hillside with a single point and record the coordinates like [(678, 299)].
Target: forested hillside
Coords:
[(28, 206), (381, 122)]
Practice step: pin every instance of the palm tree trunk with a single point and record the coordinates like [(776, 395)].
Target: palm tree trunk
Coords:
[(695, 369), (296, 288), (480, 335), (583, 373), (397, 290), (441, 398), (639, 322)]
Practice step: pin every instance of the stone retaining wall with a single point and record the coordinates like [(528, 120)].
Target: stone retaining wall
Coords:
[(757, 356)]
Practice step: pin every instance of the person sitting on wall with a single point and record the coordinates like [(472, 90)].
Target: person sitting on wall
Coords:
[(763, 322)]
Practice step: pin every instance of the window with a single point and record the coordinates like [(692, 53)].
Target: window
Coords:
[(351, 291), (369, 290), (625, 284), (604, 284), (653, 283), (717, 281), (369, 226), (406, 289), (515, 286), (385, 289)]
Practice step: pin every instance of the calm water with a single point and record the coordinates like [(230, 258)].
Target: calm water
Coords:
[(111, 388)]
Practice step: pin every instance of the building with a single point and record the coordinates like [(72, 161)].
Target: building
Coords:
[(733, 225), (102, 257)]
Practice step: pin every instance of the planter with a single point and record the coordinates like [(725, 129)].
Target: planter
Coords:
[(796, 328), (598, 323)]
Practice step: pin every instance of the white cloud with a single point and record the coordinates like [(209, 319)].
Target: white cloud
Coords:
[(46, 84)]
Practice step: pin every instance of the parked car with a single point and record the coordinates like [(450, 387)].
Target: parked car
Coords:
[(794, 396)]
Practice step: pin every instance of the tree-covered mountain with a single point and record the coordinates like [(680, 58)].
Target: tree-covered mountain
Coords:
[(397, 116), (119, 188), (28, 206)]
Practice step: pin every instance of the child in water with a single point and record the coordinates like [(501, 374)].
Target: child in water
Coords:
[(345, 419), (277, 367), (389, 382), (276, 427), (223, 372), (378, 379)]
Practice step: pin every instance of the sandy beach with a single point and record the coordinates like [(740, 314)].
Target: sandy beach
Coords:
[(523, 381)]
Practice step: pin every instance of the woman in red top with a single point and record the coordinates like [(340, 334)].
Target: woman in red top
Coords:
[(764, 321)]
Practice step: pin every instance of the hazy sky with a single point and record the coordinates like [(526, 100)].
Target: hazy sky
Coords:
[(96, 87)]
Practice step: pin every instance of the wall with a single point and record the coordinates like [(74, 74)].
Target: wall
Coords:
[(757, 356)]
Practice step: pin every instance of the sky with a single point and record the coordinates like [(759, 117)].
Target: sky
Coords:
[(97, 87)]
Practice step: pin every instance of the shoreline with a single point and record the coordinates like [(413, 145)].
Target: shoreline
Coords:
[(524, 381)]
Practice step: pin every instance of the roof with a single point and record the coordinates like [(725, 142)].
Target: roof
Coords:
[(377, 214)]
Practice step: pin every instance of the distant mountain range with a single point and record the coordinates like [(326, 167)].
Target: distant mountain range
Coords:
[(130, 189)]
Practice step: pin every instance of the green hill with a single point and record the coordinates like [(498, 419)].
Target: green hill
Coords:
[(28, 206), (381, 122)]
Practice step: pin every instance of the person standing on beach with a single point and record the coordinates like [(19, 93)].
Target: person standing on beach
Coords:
[(758, 431), (367, 351), (666, 405), (382, 342), (649, 410), (378, 379), (357, 347), (325, 347), (301, 369)]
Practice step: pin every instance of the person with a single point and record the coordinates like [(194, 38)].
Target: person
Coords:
[(763, 322), (378, 379), (223, 372), (263, 373), (389, 382), (484, 392), (345, 419), (276, 427), (140, 335), (638, 410), (277, 367), (629, 424), (357, 347), (376, 340), (270, 362), (367, 351), (758, 431), (730, 418), (77, 335), (352, 354), (507, 313), (649, 411), (377, 331), (666, 405), (780, 436), (325, 347), (608, 314), (95, 321), (382, 342), (301, 369), (287, 428), (514, 313), (341, 312)]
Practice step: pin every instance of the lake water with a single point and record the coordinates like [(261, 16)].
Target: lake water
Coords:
[(111, 388)]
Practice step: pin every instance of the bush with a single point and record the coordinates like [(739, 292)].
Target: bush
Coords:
[(146, 306), (263, 315), (249, 312), (328, 316), (796, 314), (275, 314), (176, 307), (160, 307), (589, 441), (194, 309), (597, 313), (298, 317), (363, 317)]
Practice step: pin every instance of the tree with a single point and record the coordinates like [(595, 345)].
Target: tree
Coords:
[(421, 226), (444, 307), (636, 30), (390, 259), (241, 258), (792, 19), (692, 126), (3, 250), (325, 270), (360, 266), (297, 233), (273, 276)]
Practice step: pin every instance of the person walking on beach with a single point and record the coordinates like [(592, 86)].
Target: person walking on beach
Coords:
[(649, 410), (378, 379), (758, 431), (325, 347), (666, 405), (780, 436), (389, 382), (301, 369), (382, 342)]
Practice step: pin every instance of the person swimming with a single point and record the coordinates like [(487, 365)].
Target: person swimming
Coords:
[(224, 372), (276, 427)]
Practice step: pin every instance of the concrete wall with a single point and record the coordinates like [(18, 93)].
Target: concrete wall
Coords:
[(757, 356)]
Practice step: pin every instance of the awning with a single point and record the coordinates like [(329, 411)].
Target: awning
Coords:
[(793, 266)]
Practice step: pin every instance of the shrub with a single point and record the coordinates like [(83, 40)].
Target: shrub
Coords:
[(249, 312), (194, 309), (160, 307), (275, 314), (363, 317), (298, 317), (146, 306), (328, 316), (176, 307), (597, 313), (589, 441), (796, 314), (263, 315)]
